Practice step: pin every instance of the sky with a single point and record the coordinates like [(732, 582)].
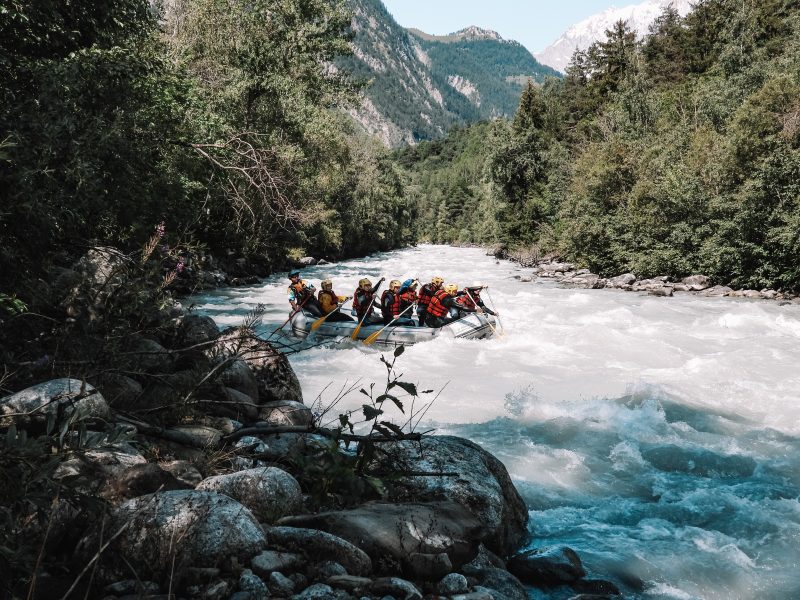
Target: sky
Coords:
[(533, 23)]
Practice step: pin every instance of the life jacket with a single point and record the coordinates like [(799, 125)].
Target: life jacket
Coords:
[(407, 298), (328, 300), (426, 294), (368, 296), (394, 307), (436, 307), (466, 302), (301, 289)]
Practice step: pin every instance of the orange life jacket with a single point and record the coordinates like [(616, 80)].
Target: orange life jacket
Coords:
[(425, 294), (367, 300), (301, 289), (436, 307), (407, 298), (394, 307)]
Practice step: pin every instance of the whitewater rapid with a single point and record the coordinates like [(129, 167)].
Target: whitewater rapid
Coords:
[(658, 437)]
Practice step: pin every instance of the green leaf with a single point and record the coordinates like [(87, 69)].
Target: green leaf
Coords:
[(370, 412), (409, 388), (384, 397), (399, 350)]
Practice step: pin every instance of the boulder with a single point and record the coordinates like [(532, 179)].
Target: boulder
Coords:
[(596, 586), (752, 294), (622, 280), (717, 291), (396, 588), (326, 569), (99, 467), (146, 478), (319, 545), (240, 377), (351, 583), (270, 561), (500, 583), (120, 391), (232, 403), (281, 446), (664, 291), (194, 330), (199, 436), (183, 471), (452, 584), (270, 493), (248, 582), (149, 356), (318, 591), (307, 261), (440, 534), (553, 565), (286, 413), (696, 283), (60, 397), (171, 531), (280, 585), (482, 484)]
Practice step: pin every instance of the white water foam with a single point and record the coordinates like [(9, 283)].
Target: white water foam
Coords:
[(656, 436)]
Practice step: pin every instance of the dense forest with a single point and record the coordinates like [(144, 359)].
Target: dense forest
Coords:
[(220, 121), (674, 155)]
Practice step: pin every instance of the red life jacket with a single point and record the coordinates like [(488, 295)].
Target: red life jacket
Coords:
[(426, 294), (436, 307), (466, 302), (357, 304), (407, 298), (394, 307)]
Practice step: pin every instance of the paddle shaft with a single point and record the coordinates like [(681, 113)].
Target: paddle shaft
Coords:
[(480, 310), (299, 308), (375, 335), (321, 320), (367, 310)]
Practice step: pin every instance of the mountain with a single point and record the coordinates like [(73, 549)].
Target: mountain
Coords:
[(421, 85), (583, 34)]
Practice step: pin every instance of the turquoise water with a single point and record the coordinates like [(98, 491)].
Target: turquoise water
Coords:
[(659, 437)]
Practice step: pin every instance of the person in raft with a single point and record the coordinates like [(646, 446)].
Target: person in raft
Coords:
[(302, 294), (470, 298), (408, 295), (390, 305), (443, 301), (330, 302), (363, 303), (425, 294)]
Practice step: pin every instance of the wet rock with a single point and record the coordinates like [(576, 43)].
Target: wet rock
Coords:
[(483, 485), (440, 534), (183, 471), (452, 584), (318, 545), (318, 591), (752, 294), (525, 278), (696, 283), (717, 291), (253, 584), (680, 287), (351, 583), (500, 582), (240, 377), (307, 261), (132, 586), (661, 290), (596, 586), (286, 413), (271, 561), (212, 530), (485, 559), (553, 565), (270, 493), (280, 585), (769, 294), (396, 587), (199, 436), (61, 397)]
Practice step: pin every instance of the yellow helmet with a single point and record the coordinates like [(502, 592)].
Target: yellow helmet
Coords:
[(394, 283), (326, 284), (437, 281), (364, 283), (451, 288)]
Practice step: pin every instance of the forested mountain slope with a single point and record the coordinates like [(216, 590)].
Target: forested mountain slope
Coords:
[(675, 155), (419, 85)]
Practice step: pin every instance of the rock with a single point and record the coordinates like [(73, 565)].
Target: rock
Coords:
[(485, 559), (253, 584), (271, 561), (61, 397), (318, 591), (717, 291), (680, 287), (351, 583), (452, 584), (483, 485), (149, 356), (194, 330), (696, 283), (300, 581), (218, 590), (752, 294), (225, 425), (287, 445), (596, 586), (183, 471), (484, 594), (274, 375), (591, 597), (120, 391), (500, 582), (322, 261), (132, 586), (769, 294), (233, 403), (241, 596), (199, 436), (280, 585), (622, 280), (252, 445), (286, 413), (661, 290), (326, 569), (307, 261), (99, 467), (210, 529), (525, 278), (396, 587), (240, 377), (270, 493), (553, 565), (319, 545), (400, 530), (146, 478)]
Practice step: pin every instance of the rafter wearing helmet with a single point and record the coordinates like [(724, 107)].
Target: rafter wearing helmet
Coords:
[(425, 296)]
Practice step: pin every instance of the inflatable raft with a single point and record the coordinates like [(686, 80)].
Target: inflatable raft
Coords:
[(471, 327)]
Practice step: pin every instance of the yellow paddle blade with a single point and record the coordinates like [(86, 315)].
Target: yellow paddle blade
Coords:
[(354, 335), (315, 325), (373, 336)]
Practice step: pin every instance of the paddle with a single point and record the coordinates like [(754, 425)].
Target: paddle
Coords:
[(375, 335), (299, 308), (481, 311), (495, 310), (320, 321), (354, 335)]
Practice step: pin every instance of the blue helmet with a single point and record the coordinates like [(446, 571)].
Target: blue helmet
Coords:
[(406, 284)]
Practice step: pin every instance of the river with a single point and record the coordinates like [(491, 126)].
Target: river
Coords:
[(658, 437)]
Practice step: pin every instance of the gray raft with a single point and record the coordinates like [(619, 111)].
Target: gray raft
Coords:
[(474, 326)]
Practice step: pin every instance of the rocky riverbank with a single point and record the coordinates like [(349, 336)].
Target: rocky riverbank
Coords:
[(569, 274), (183, 462)]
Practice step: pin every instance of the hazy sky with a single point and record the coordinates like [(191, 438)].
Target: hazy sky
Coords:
[(533, 23)]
